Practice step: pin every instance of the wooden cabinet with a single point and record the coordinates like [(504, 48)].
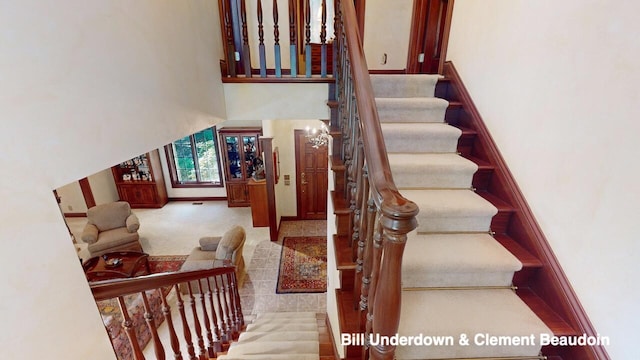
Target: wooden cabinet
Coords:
[(140, 181), (240, 149), (259, 204)]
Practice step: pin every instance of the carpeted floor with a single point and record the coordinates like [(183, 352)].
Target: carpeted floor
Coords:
[(303, 265)]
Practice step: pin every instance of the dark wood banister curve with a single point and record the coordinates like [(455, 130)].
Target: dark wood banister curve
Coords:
[(108, 289), (380, 300)]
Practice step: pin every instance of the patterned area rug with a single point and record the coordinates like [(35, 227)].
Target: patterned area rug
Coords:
[(303, 265), (112, 317)]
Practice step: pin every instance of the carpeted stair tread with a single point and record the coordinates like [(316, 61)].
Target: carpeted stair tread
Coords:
[(454, 260), (274, 347), (470, 312), (270, 357), (278, 336), (429, 170), (413, 110), (284, 321), (286, 315), (263, 327), (420, 137), (422, 85), (451, 210)]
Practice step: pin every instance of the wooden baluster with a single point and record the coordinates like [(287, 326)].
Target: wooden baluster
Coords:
[(293, 49), (245, 40), (217, 345), (366, 234), (127, 324), (233, 292), (375, 271), (276, 39), (357, 196), (151, 324), (337, 35), (261, 52), (230, 48), (223, 325), (238, 303), (205, 319), (225, 308), (386, 310), (323, 41), (173, 337), (185, 325), (307, 39), (196, 323)]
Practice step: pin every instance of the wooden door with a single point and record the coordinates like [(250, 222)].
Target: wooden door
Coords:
[(429, 36), (311, 179)]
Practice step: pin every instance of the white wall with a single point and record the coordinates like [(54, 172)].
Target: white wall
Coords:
[(103, 187), (71, 198), (557, 84), (85, 85), (386, 31)]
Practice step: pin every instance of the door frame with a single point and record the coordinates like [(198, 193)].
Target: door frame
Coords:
[(419, 27)]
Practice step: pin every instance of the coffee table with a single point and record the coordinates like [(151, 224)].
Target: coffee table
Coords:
[(117, 265)]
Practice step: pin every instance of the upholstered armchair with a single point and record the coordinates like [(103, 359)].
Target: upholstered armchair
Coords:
[(111, 227), (229, 246)]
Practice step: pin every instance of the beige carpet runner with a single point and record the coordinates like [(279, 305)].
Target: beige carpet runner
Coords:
[(278, 336), (453, 267)]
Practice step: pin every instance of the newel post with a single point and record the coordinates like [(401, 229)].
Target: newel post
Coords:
[(388, 291)]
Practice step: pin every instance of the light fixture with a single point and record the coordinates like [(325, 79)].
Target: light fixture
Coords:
[(318, 137)]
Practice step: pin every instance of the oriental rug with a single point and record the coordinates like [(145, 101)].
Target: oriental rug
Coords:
[(112, 316), (303, 265)]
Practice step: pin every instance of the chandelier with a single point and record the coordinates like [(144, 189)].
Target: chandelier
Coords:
[(318, 137)]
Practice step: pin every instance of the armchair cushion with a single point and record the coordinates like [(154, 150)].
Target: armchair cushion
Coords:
[(109, 216), (231, 241), (132, 222), (209, 243), (90, 234), (114, 239)]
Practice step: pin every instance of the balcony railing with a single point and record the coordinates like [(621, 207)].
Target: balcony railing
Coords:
[(253, 31)]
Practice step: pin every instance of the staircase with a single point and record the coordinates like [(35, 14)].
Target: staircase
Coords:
[(277, 336)]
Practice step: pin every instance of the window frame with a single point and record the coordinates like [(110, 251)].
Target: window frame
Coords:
[(173, 172)]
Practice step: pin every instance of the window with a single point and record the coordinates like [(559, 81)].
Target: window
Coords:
[(193, 160)]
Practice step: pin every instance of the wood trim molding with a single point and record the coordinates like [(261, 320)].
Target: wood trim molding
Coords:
[(199, 198), (266, 144), (388, 72), (74, 214), (87, 193), (551, 284)]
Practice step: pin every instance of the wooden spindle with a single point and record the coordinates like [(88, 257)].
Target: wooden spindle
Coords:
[(307, 37), (127, 324), (151, 324), (217, 345), (225, 309), (367, 265), (375, 271), (323, 41), (223, 325), (261, 51), (235, 319), (185, 325), (196, 323), (293, 49), (230, 48), (245, 40), (173, 337), (205, 320), (276, 40), (238, 303)]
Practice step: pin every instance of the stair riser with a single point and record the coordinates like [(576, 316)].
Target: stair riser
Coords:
[(419, 142), (433, 178), (397, 86), (390, 111), (453, 224)]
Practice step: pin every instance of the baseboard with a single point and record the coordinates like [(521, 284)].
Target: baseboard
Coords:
[(551, 284), (199, 198), (335, 348), (75, 215), (288, 218)]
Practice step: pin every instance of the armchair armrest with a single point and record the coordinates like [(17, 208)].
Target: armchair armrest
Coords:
[(133, 224), (90, 234), (209, 243)]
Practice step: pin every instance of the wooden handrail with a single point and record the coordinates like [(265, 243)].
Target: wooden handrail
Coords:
[(380, 215)]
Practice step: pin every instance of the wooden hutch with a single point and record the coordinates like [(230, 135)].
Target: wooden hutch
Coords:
[(240, 148), (140, 181)]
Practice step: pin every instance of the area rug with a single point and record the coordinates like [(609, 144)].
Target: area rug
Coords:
[(112, 317), (303, 265)]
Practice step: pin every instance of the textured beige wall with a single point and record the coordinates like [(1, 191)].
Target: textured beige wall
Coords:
[(84, 86), (557, 84)]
